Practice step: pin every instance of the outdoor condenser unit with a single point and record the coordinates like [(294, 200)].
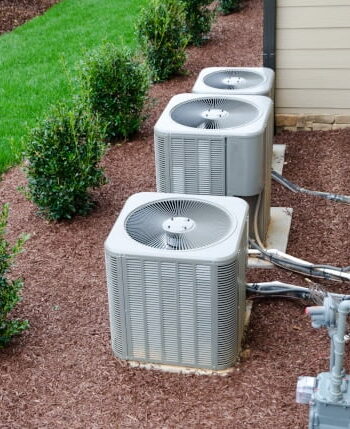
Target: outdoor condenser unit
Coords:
[(235, 81), (176, 279), (217, 145)]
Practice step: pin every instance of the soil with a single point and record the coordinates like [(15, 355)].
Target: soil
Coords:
[(16, 12), (61, 372)]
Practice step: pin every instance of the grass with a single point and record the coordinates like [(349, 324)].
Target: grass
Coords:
[(37, 61)]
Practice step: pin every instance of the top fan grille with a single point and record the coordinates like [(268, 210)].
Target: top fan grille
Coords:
[(233, 79), (214, 113), (162, 224)]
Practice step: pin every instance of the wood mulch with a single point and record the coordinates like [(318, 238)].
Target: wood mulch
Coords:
[(16, 12), (61, 372)]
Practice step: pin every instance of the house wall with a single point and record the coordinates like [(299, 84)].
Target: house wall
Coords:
[(313, 64)]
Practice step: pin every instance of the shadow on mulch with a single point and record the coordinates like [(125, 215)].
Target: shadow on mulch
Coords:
[(61, 373)]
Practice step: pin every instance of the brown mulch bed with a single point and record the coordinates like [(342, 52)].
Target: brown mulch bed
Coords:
[(61, 373), (16, 12)]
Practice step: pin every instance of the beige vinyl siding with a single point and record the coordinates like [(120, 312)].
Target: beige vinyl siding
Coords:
[(305, 3), (320, 59), (313, 56)]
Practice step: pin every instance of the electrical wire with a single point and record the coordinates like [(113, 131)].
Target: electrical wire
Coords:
[(296, 188)]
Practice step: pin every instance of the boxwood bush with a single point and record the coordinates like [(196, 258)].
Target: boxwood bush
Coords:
[(63, 154), (199, 19), (161, 33), (115, 85), (229, 6), (9, 289)]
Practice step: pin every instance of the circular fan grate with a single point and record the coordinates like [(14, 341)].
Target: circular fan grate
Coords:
[(178, 224), (214, 113), (233, 79)]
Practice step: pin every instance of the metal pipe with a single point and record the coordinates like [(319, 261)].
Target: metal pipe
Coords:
[(269, 53)]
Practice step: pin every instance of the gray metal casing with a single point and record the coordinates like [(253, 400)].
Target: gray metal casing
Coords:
[(324, 413), (264, 87), (232, 162), (183, 308)]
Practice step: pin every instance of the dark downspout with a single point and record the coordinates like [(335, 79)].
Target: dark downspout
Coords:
[(269, 55)]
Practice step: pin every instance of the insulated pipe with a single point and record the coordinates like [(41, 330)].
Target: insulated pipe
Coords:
[(339, 347), (285, 258), (277, 285), (296, 188)]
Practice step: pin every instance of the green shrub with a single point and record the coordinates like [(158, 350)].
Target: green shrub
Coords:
[(198, 19), (62, 162), (161, 32), (229, 6), (9, 289), (116, 86)]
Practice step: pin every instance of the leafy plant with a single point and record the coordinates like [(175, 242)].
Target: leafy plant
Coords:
[(9, 289), (63, 154), (161, 32), (199, 19), (229, 6), (116, 87)]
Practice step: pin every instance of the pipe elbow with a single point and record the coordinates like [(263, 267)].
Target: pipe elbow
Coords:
[(344, 307)]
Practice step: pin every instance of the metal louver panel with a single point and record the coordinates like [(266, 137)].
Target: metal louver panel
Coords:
[(228, 315), (115, 301), (162, 173), (169, 313), (241, 279), (198, 166)]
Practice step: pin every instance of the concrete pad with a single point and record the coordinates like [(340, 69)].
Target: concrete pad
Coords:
[(277, 234), (278, 153)]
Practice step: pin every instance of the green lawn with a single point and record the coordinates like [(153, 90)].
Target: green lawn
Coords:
[(37, 60)]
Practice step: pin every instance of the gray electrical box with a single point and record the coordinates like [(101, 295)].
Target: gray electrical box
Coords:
[(329, 394), (325, 413)]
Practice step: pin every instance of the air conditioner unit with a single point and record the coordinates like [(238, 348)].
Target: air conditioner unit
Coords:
[(217, 145), (235, 81), (176, 280)]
